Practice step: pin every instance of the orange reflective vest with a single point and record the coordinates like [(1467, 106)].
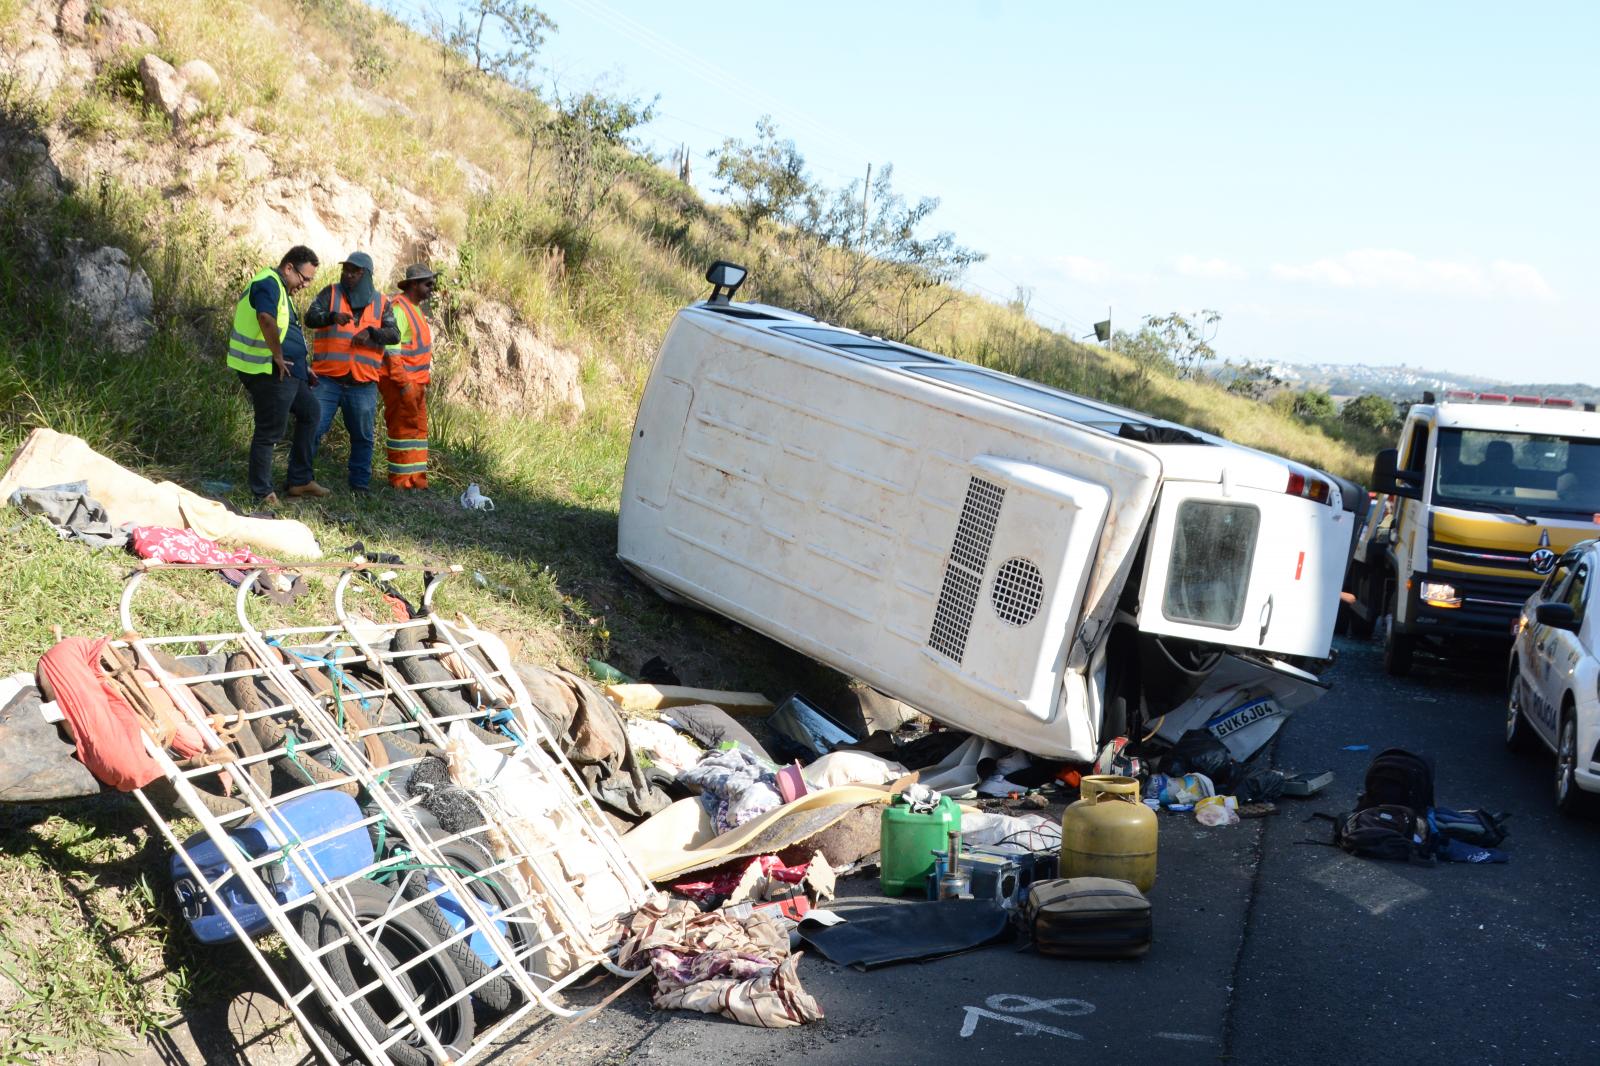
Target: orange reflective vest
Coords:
[(333, 354), (416, 341)]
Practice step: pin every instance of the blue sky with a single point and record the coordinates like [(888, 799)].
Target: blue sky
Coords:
[(1359, 182)]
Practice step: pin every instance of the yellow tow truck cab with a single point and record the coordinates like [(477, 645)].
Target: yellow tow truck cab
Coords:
[(1483, 494)]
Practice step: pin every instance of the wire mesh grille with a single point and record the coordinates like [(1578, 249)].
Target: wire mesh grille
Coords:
[(963, 574), (1018, 591)]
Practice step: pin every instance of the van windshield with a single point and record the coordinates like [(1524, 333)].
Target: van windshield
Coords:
[(1487, 468)]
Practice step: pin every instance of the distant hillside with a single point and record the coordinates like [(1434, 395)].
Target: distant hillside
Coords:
[(1407, 384)]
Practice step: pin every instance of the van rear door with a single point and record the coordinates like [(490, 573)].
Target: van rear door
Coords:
[(1244, 568)]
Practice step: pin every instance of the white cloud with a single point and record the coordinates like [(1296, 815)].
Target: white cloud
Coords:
[(1382, 268), (1193, 266)]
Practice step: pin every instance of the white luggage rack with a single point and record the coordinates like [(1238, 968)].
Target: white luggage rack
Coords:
[(506, 892)]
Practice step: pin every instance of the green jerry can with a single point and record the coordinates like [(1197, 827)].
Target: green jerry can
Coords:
[(907, 841)]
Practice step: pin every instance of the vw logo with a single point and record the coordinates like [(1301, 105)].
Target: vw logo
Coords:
[(1543, 561)]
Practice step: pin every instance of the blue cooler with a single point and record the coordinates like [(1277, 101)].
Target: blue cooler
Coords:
[(301, 818)]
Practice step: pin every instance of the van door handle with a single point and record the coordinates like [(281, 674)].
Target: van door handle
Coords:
[(1266, 620)]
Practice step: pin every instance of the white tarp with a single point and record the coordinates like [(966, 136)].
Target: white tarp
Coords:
[(51, 458)]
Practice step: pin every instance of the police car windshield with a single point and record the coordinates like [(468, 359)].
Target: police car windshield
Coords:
[(1517, 471)]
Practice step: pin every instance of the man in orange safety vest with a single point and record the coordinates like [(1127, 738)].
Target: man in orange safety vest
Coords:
[(404, 382), (351, 326)]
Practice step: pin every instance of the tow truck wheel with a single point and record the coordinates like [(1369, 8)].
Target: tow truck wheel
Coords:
[(1398, 649), (1360, 627)]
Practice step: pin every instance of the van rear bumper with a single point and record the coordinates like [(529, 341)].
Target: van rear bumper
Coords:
[(1488, 608)]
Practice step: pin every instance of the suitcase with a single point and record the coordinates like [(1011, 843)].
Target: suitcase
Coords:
[(1088, 918)]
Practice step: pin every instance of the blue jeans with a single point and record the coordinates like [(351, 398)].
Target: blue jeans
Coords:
[(359, 402)]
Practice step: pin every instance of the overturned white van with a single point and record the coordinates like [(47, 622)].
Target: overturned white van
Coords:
[(1029, 565)]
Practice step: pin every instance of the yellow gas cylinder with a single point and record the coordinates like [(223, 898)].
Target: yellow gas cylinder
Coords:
[(1109, 833)]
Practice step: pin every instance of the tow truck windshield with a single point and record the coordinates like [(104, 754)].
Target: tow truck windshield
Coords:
[(1489, 470)]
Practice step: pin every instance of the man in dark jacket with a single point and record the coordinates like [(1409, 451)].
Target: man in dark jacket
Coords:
[(351, 325)]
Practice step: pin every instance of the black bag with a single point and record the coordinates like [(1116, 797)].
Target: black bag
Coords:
[(1388, 831), (1398, 778), (1087, 918), (1198, 752)]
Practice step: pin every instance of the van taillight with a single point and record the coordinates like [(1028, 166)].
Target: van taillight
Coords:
[(1309, 488)]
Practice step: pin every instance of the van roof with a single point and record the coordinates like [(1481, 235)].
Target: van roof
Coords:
[(1132, 426)]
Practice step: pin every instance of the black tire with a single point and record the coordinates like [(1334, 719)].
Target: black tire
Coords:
[(405, 935), (1571, 801), (1368, 599), (500, 994), (1398, 651), (1519, 734)]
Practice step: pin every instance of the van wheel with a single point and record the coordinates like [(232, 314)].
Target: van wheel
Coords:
[(1571, 800), (1518, 735), (1398, 650)]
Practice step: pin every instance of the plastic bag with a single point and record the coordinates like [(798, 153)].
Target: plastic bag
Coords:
[(1217, 810)]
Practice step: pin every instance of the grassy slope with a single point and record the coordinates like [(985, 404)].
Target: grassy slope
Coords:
[(87, 954)]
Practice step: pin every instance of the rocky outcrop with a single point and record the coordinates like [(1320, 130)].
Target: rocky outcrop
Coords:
[(168, 90), (114, 295), (503, 366), (335, 217)]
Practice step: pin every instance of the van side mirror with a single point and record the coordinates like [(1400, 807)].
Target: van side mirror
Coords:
[(1390, 481), (1556, 616)]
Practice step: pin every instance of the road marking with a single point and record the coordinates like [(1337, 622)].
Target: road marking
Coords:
[(1192, 1038), (1005, 1006)]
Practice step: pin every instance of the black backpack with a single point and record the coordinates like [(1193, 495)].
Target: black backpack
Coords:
[(1397, 778), (1387, 831)]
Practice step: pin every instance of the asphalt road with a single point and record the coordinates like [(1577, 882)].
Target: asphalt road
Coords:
[(1266, 951)]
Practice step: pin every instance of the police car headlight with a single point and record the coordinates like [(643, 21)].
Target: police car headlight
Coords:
[(1438, 594)]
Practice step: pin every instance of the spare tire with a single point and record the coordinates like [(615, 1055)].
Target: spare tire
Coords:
[(404, 936), (469, 858)]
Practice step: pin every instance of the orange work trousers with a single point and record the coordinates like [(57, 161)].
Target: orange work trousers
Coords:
[(405, 413)]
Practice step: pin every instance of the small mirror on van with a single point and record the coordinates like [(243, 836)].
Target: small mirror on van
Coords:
[(1556, 616), (725, 278), (1386, 479)]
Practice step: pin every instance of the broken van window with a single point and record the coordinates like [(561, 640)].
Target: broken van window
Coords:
[(1209, 573)]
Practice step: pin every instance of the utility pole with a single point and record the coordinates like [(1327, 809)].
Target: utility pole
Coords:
[(866, 188)]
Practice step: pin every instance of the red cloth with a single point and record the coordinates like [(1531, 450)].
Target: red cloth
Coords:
[(107, 731), (164, 545), (770, 866)]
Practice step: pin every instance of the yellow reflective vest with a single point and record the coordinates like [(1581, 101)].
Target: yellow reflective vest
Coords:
[(247, 345)]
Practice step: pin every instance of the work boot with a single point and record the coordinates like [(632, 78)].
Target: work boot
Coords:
[(310, 488)]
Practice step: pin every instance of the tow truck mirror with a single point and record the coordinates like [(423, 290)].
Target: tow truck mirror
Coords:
[(1387, 479), (1556, 616)]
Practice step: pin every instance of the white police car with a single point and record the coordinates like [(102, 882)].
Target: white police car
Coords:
[(1552, 695)]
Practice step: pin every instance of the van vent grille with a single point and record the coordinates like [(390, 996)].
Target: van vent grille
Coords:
[(1018, 591), (963, 574)]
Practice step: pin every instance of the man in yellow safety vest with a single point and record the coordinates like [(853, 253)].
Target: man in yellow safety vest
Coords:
[(267, 348)]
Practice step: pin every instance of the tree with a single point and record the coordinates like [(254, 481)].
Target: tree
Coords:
[(496, 38), (855, 248), (1369, 412), (1314, 405), (1185, 339), (1254, 381), (765, 178), (587, 138)]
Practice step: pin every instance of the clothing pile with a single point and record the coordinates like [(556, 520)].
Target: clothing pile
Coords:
[(714, 963)]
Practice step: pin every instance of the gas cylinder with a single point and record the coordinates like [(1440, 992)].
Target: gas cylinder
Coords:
[(1109, 833)]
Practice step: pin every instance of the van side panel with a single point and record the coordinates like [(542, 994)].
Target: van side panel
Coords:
[(840, 507)]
